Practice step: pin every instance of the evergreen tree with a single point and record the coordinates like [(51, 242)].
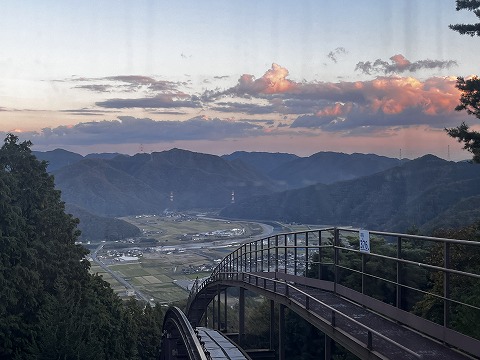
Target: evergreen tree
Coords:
[(470, 138), (469, 29), (470, 88), (51, 307)]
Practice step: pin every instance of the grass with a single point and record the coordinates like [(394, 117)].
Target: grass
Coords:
[(169, 231)]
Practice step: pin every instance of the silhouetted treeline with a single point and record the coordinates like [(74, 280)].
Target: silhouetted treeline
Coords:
[(51, 307)]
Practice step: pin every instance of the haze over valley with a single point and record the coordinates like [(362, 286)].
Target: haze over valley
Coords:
[(363, 190)]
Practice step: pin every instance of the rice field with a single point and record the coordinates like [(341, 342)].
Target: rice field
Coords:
[(155, 274)]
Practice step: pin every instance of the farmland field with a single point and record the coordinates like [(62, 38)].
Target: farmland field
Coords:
[(179, 250)]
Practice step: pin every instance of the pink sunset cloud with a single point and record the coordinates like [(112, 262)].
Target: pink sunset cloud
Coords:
[(382, 110), (272, 82), (382, 101)]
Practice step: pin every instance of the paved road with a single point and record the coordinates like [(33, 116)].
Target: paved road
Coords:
[(267, 230), (117, 277)]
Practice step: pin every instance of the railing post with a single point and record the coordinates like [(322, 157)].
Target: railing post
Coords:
[(236, 261), (276, 254), (240, 252), (363, 272), (213, 313), (295, 253), (281, 332), (335, 257), (285, 253), (244, 257), (225, 310), (369, 341), (241, 316), (263, 257), (268, 254), (446, 284), (256, 256), (218, 308), (320, 254), (272, 324), (399, 272), (328, 347), (250, 256), (307, 259)]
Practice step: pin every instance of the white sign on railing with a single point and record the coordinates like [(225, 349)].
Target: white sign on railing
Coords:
[(364, 241)]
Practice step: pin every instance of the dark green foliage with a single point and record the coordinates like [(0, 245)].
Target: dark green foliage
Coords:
[(95, 227), (468, 29), (470, 99), (303, 341), (470, 102), (470, 138), (462, 288), (51, 307), (470, 88), (144, 329), (36, 246), (379, 273)]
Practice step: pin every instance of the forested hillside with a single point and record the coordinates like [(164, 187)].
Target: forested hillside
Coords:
[(51, 307), (330, 167), (144, 183), (263, 162), (421, 193), (96, 228)]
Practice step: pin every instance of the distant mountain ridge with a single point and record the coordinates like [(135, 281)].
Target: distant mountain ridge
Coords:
[(363, 190), (59, 158), (330, 167), (152, 183), (263, 162), (418, 193)]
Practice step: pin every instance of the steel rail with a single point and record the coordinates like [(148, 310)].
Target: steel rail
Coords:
[(279, 252), (180, 322), (370, 331)]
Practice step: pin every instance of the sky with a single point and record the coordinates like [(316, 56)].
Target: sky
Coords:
[(368, 76)]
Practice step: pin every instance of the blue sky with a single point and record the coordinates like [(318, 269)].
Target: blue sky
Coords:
[(219, 76)]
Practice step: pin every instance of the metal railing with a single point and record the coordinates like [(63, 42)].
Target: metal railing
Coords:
[(176, 326), (403, 266)]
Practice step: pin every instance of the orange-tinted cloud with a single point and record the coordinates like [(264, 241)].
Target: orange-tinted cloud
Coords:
[(393, 95), (272, 82), (338, 109), (385, 101)]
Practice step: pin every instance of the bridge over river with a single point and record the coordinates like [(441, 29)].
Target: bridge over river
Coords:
[(331, 277)]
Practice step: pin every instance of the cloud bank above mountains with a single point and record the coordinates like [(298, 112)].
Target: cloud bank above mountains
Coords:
[(255, 107)]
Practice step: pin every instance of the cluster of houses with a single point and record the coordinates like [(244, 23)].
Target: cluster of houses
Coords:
[(197, 269), (217, 234), (125, 254)]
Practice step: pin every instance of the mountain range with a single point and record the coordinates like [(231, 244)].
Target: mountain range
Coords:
[(424, 193), (363, 190), (152, 183)]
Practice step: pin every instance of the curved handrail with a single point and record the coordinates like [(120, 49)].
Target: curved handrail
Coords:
[(290, 252), (311, 299), (176, 321)]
